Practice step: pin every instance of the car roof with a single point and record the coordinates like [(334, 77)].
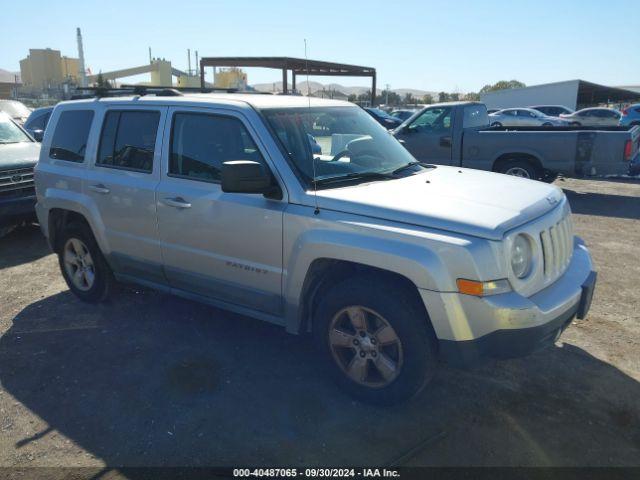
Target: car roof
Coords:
[(258, 101)]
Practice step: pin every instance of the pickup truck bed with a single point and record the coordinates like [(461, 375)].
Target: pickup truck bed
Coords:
[(458, 138)]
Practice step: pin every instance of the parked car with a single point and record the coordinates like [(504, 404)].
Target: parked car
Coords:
[(16, 110), (383, 118), (18, 155), (37, 122), (593, 117), (390, 264), (631, 115), (524, 117), (458, 134), (553, 110), (403, 114)]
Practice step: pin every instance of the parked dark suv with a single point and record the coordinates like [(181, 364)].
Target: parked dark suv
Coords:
[(18, 156)]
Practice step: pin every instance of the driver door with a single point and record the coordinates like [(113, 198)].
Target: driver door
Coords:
[(428, 137)]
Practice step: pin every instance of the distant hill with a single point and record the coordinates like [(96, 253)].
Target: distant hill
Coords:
[(315, 86)]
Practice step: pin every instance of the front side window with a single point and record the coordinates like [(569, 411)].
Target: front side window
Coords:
[(201, 143), (10, 132), (71, 135), (128, 140), (332, 143)]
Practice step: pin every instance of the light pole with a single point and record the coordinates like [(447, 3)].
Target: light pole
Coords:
[(386, 97)]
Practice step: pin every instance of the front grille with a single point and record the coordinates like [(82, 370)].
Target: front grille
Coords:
[(557, 247), (17, 183)]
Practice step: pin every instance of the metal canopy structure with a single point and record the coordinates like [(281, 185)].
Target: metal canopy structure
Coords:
[(574, 94), (298, 66), (593, 94)]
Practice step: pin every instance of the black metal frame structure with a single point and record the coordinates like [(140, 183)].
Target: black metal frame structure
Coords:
[(594, 94), (298, 66)]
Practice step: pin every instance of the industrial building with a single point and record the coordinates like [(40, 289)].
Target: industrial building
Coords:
[(46, 68), (574, 94)]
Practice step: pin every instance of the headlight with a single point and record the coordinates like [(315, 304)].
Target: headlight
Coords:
[(521, 256)]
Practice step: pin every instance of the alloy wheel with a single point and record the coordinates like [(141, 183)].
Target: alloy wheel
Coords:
[(78, 264), (365, 346), (518, 172)]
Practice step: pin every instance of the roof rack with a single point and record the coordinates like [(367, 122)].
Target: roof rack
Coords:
[(125, 90)]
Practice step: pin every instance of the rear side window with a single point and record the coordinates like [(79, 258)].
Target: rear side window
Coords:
[(475, 116), (201, 143), (71, 134), (128, 140)]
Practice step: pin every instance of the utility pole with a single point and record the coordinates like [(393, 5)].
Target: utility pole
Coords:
[(386, 98)]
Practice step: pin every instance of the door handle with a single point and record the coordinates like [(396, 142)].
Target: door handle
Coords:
[(177, 202), (99, 188), (445, 141)]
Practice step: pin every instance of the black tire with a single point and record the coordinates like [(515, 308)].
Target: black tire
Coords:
[(547, 124), (509, 167), (103, 276), (496, 124), (403, 312)]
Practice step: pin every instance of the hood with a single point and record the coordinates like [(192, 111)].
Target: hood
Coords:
[(471, 202), (19, 155)]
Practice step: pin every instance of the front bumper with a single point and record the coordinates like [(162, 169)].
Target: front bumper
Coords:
[(470, 329), (15, 209)]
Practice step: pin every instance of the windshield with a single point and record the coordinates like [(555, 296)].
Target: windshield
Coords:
[(344, 141), (14, 109), (10, 132)]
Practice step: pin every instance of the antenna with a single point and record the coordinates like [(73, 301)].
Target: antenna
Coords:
[(313, 158)]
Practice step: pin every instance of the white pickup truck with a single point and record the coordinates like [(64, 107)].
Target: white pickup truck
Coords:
[(308, 214)]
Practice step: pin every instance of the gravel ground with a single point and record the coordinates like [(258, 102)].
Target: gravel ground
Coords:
[(150, 379)]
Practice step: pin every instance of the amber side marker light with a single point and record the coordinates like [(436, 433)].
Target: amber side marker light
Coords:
[(482, 289)]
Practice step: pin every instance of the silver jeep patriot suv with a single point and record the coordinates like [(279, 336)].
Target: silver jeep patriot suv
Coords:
[(308, 214)]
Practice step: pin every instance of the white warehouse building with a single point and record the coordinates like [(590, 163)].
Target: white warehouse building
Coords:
[(574, 94)]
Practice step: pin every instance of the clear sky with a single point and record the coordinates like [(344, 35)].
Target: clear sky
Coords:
[(457, 45)]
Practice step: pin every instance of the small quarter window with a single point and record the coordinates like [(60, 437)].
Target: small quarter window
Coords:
[(71, 134), (128, 140)]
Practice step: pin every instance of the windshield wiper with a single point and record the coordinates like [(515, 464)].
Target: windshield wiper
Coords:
[(409, 165), (7, 143), (356, 176)]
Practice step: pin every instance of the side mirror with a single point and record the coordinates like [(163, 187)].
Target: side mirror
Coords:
[(37, 135), (246, 176)]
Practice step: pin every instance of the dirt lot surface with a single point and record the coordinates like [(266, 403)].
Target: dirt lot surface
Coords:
[(150, 379)]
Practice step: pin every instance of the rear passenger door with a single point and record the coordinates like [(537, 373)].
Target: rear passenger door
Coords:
[(122, 181), (224, 246)]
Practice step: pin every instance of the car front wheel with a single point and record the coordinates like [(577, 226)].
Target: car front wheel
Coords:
[(376, 339)]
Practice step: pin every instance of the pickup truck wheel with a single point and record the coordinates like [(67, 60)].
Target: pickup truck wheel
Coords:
[(376, 340), (82, 264), (520, 168)]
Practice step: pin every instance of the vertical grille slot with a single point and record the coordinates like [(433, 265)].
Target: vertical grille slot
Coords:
[(557, 247)]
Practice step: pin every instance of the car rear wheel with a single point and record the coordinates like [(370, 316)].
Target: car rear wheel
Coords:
[(82, 264), (520, 168), (376, 340), (496, 124)]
